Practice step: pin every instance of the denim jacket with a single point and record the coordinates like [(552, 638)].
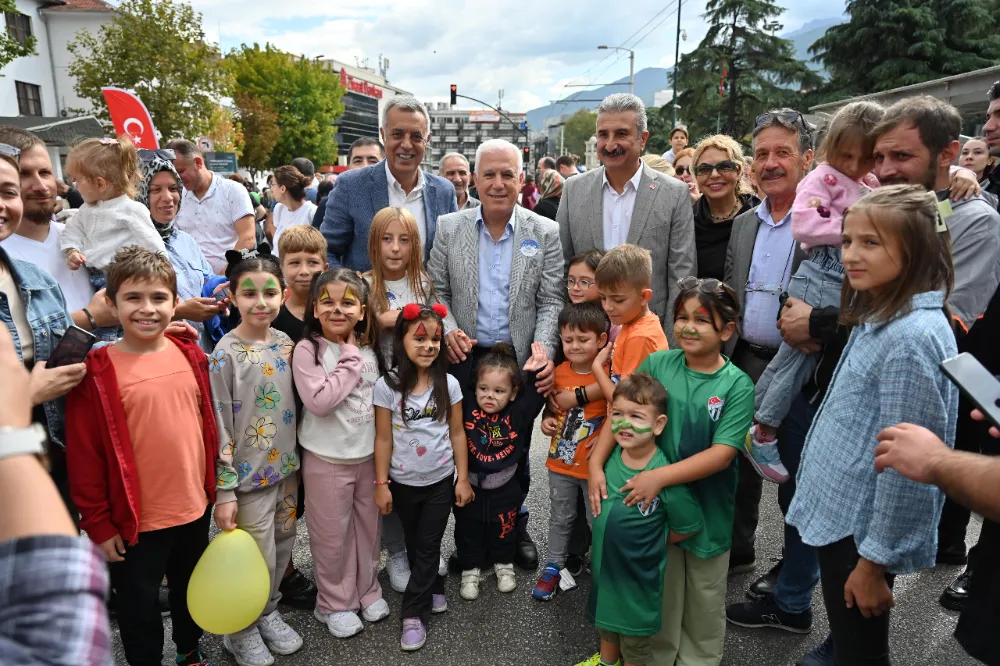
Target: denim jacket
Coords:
[(46, 313)]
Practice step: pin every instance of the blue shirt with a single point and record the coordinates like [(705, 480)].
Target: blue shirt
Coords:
[(493, 318), (770, 271), (191, 267), (887, 375)]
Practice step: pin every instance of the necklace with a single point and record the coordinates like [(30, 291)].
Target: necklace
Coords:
[(731, 213)]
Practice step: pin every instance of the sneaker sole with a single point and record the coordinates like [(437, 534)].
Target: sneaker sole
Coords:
[(763, 472), (768, 625), (411, 648), (322, 620), (378, 618), (227, 646), (543, 596), (284, 652), (438, 611)]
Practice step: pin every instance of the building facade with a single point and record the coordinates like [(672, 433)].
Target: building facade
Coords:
[(461, 131)]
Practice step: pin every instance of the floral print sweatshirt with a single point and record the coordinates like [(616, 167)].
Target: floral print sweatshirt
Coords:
[(255, 409)]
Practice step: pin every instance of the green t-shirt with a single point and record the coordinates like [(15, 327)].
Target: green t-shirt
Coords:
[(630, 550), (702, 410)]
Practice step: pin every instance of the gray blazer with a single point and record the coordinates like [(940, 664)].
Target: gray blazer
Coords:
[(537, 291), (662, 222), (739, 255)]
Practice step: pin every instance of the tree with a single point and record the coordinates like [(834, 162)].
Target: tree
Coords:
[(581, 126), (156, 49), (304, 94), (226, 131), (740, 69), (260, 131), (892, 43), (659, 122), (10, 48)]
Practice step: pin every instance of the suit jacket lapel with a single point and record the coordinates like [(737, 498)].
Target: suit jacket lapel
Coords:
[(523, 230), (470, 240), (644, 197), (594, 204), (747, 244), (379, 188), (430, 214)]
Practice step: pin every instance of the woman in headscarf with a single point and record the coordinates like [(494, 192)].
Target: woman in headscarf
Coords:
[(160, 191), (550, 185)]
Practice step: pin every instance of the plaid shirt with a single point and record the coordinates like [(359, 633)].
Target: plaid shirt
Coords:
[(887, 375), (52, 593)]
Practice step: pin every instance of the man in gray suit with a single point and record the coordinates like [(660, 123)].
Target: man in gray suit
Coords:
[(625, 201), (499, 269)]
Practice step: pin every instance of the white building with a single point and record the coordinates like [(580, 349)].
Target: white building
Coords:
[(461, 131)]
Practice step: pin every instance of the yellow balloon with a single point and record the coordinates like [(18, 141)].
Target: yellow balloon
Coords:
[(230, 585)]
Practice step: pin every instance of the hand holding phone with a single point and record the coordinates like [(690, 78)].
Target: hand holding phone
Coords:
[(976, 383), (72, 348)]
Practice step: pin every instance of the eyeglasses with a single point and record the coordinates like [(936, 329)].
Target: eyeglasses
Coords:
[(790, 119), (707, 285), (680, 171), (583, 284), (723, 167), (10, 151), (147, 155)]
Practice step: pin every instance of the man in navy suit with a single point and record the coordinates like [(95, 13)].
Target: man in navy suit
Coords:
[(396, 181)]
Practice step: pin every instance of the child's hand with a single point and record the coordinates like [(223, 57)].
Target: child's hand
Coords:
[(114, 549), (643, 486), (74, 260), (539, 358), (383, 499), (601, 359), (597, 488), (565, 400), (550, 426), (225, 516), (463, 493)]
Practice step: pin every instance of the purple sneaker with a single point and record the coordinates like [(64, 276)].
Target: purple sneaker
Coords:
[(414, 634), (439, 603)]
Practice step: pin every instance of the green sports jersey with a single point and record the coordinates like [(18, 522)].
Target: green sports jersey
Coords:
[(702, 410), (630, 550)]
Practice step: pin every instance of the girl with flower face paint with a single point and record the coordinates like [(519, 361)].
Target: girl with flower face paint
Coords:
[(251, 380)]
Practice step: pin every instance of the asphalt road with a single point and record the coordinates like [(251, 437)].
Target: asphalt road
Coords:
[(513, 629)]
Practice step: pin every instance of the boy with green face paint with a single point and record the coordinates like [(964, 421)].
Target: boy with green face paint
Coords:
[(630, 542)]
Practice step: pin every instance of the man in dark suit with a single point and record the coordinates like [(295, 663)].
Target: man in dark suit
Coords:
[(397, 181)]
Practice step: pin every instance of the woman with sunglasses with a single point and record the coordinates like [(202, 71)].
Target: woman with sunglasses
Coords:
[(718, 171), (684, 171)]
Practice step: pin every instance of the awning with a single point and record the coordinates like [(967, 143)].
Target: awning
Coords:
[(59, 131)]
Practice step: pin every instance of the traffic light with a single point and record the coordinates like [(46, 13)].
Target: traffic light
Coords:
[(526, 152), (454, 94)]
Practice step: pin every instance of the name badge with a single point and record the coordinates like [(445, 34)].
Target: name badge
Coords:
[(529, 248)]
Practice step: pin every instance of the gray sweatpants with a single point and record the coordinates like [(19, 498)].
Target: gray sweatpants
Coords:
[(563, 491)]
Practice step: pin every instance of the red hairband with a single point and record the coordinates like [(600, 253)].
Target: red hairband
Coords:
[(412, 310)]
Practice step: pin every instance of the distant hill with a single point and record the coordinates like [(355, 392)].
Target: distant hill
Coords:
[(651, 79)]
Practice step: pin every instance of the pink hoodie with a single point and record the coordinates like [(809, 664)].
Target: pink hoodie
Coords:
[(820, 201)]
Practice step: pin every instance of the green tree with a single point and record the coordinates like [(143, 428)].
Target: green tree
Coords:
[(156, 49), (304, 94), (892, 43), (10, 48), (260, 131), (759, 69), (659, 121), (581, 126)]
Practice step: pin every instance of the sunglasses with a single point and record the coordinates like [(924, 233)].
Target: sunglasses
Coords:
[(706, 169), (147, 155), (680, 171), (790, 119), (707, 285), (10, 151)]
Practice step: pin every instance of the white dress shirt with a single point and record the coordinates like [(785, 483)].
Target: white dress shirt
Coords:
[(210, 220), (617, 210), (413, 202)]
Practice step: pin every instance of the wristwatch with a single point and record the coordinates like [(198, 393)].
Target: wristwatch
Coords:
[(28, 441)]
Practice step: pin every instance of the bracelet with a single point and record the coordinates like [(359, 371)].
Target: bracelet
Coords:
[(90, 317), (581, 397), (382, 483), (586, 397)]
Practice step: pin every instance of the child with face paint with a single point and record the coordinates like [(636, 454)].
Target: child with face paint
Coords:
[(630, 551), (335, 372), (257, 471), (709, 414), (484, 528), (419, 450)]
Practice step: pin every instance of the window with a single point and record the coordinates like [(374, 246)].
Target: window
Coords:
[(19, 27), (29, 99)]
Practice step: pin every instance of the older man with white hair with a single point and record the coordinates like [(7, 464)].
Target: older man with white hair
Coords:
[(396, 181), (455, 168), (499, 269)]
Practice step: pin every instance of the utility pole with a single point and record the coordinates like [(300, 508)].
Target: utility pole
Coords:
[(677, 57), (631, 65)]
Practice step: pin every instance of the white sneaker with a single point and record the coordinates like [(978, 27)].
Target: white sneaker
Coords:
[(377, 610), (442, 566), (343, 624), (470, 585), (278, 636), (399, 570), (248, 650), (505, 577), (566, 580)]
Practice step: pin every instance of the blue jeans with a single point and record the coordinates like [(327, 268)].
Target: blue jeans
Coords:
[(818, 281), (800, 572)]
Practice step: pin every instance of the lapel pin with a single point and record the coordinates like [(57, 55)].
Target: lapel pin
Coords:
[(652, 186)]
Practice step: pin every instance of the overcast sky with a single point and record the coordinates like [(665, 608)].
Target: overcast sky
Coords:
[(479, 46)]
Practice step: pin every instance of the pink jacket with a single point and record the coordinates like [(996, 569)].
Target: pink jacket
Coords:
[(820, 201)]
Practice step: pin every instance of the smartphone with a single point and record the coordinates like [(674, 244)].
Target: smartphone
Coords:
[(222, 295), (976, 384), (72, 348)]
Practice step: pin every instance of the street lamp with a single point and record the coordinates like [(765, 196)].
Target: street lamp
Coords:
[(631, 64)]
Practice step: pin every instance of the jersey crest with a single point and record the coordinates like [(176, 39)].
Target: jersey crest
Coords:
[(649, 507), (715, 405)]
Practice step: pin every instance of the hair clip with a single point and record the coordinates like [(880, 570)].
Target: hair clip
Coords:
[(411, 311), (440, 310), (109, 142)]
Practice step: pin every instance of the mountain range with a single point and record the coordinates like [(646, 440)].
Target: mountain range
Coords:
[(650, 80)]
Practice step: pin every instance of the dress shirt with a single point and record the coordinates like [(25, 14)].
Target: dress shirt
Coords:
[(413, 202), (617, 210), (493, 318), (770, 271)]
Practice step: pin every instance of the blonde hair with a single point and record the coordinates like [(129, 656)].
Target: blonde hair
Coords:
[(625, 264), (855, 122), (659, 164), (731, 148), (908, 216), (302, 238), (415, 274), (114, 160)]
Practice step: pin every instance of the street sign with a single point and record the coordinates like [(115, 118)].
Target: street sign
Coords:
[(524, 127), (205, 144), (221, 162)]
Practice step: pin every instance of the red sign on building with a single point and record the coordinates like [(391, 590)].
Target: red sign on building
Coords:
[(361, 87)]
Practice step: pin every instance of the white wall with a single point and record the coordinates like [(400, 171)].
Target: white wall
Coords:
[(31, 69), (63, 28)]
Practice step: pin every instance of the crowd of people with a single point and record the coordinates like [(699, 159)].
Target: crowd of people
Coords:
[(370, 352)]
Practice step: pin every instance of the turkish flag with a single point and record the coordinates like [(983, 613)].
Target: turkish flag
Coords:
[(129, 116)]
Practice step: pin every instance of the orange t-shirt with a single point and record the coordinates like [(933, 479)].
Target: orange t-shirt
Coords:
[(162, 404), (578, 427), (634, 343)]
